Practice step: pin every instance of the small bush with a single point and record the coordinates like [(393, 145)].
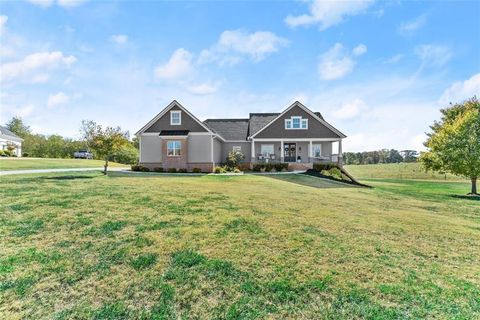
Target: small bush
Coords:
[(7, 153), (135, 167), (219, 170), (182, 170), (257, 167), (197, 170), (236, 170), (158, 169), (172, 170), (279, 167), (144, 169), (2, 153), (268, 167)]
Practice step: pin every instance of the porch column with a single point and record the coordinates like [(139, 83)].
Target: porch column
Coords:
[(282, 151), (253, 151), (340, 156), (310, 151)]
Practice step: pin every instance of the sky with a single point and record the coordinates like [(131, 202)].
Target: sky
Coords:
[(379, 71)]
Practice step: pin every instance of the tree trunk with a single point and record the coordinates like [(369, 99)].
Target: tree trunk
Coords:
[(474, 186), (105, 166)]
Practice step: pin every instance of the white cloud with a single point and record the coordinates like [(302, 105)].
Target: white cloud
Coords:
[(57, 99), (34, 65), (3, 22), (202, 89), (337, 62), (42, 3), (70, 3), (119, 38), (434, 55), (62, 3), (460, 91), (410, 27), (232, 45), (351, 109), (394, 59), (178, 66), (328, 13), (359, 50)]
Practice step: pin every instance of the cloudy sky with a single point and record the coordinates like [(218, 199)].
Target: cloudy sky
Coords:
[(377, 70)]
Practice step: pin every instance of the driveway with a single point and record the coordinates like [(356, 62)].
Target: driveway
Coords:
[(4, 173)]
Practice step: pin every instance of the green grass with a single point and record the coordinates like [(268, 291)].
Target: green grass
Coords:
[(397, 171), (124, 246), (7, 164)]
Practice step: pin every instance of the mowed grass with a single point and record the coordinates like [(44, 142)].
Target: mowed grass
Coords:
[(236, 247), (7, 164), (397, 171)]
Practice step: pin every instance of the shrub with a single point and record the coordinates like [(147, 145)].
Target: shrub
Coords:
[(268, 167), (197, 170), (322, 166), (234, 158), (236, 170), (158, 169), (257, 167), (336, 173), (128, 154), (280, 167), (25, 154), (219, 170), (2, 153), (172, 170), (135, 167), (7, 153), (144, 169), (182, 170)]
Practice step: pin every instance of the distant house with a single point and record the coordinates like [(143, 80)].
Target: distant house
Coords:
[(10, 139), (175, 138)]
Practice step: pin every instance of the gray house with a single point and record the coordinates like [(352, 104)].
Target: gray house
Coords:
[(10, 141), (175, 138)]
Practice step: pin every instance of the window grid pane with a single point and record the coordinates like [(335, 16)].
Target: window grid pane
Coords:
[(296, 123)]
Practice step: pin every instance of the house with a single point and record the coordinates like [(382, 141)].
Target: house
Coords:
[(175, 138), (10, 141)]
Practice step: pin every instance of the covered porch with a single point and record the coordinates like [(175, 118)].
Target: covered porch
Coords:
[(302, 151)]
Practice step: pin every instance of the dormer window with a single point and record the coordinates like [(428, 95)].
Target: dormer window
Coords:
[(175, 118), (296, 123)]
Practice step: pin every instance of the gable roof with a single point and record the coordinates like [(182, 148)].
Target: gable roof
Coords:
[(170, 106), (229, 129), (260, 120), (313, 114), (5, 132)]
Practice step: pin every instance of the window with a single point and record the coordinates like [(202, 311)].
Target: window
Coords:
[(267, 150), (237, 148), (317, 150), (174, 148), (296, 123), (175, 118)]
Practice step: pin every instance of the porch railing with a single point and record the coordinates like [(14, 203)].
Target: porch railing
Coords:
[(275, 159)]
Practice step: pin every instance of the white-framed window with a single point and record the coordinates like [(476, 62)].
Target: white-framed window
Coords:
[(296, 123), (316, 150), (237, 148), (175, 118), (267, 150), (174, 148)]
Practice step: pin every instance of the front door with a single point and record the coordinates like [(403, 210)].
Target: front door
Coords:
[(290, 152)]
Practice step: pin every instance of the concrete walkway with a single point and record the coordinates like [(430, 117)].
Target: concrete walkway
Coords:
[(4, 173)]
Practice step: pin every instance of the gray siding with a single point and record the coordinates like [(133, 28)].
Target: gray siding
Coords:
[(228, 146), (151, 149), (188, 123), (199, 148), (316, 129), (217, 151)]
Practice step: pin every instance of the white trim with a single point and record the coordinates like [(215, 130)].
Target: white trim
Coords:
[(211, 151), (252, 153), (149, 134), (179, 112), (291, 123), (296, 103), (317, 144), (298, 139), (140, 148), (164, 111), (179, 149), (237, 141), (199, 134), (173, 137)]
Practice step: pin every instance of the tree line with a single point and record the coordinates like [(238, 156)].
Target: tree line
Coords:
[(380, 156), (56, 146)]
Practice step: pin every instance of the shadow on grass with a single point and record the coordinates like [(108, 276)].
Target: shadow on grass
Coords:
[(128, 174), (309, 181), (466, 197), (71, 177)]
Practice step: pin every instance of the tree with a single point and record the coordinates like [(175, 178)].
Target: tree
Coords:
[(104, 142), (454, 143), (409, 155), (17, 126)]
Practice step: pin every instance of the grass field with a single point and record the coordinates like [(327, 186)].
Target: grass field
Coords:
[(7, 164), (397, 171), (236, 247)]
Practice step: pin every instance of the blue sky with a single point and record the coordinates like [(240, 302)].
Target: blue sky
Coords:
[(378, 71)]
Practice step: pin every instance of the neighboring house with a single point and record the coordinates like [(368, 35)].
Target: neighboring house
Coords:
[(8, 138), (175, 138)]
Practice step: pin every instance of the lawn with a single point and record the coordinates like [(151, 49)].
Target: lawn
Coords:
[(7, 164), (397, 171), (236, 247)]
